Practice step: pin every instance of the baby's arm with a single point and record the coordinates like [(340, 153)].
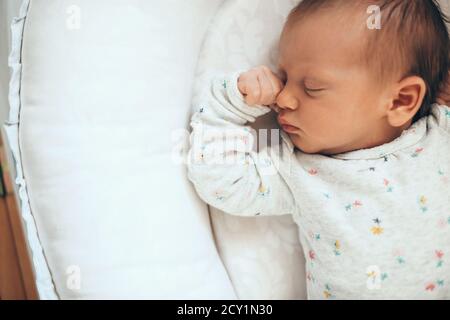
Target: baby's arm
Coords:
[(223, 167)]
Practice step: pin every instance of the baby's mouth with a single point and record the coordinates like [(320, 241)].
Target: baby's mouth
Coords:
[(286, 126), (289, 128)]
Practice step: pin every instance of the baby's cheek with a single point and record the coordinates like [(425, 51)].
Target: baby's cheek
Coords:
[(305, 143), (334, 137), (303, 147), (328, 131), (325, 130)]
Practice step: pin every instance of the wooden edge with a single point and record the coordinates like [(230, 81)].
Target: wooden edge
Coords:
[(17, 227)]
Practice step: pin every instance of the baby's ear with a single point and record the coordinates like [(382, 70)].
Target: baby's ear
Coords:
[(406, 101)]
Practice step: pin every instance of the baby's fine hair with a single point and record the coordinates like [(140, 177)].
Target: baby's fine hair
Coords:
[(413, 40)]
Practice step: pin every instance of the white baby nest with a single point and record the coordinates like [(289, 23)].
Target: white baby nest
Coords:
[(100, 97)]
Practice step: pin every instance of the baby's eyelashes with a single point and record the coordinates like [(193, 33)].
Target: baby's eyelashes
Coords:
[(314, 89)]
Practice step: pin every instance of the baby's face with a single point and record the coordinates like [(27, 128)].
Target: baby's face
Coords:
[(332, 99)]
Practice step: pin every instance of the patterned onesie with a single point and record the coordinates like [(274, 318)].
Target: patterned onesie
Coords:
[(373, 223)]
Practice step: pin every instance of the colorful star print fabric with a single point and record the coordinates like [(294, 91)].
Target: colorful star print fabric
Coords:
[(373, 223)]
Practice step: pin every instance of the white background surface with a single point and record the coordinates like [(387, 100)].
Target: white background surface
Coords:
[(99, 104)]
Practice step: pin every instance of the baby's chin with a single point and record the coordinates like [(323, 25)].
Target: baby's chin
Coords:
[(302, 144), (305, 146)]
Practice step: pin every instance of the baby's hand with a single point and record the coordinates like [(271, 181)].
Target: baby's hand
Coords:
[(259, 86)]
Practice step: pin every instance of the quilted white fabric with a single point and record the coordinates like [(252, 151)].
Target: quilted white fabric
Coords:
[(99, 88), (262, 255)]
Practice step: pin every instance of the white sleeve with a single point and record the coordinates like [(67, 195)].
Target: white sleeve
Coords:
[(225, 170)]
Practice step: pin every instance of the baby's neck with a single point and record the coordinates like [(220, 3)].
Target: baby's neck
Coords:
[(386, 135)]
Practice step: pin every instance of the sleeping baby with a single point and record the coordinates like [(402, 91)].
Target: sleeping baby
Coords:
[(363, 159)]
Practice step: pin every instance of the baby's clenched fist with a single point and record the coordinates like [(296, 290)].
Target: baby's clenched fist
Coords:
[(259, 86)]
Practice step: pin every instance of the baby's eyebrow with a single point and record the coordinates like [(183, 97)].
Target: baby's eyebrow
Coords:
[(321, 76), (318, 76), (314, 79)]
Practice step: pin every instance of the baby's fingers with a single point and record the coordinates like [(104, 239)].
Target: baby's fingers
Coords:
[(275, 107), (276, 83), (253, 92), (267, 94)]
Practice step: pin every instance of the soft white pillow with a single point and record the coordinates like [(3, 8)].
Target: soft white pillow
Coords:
[(262, 255), (104, 85)]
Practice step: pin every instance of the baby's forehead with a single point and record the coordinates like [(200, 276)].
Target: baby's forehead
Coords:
[(411, 38), (322, 37)]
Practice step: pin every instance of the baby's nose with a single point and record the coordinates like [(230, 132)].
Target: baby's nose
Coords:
[(286, 99), (284, 102)]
